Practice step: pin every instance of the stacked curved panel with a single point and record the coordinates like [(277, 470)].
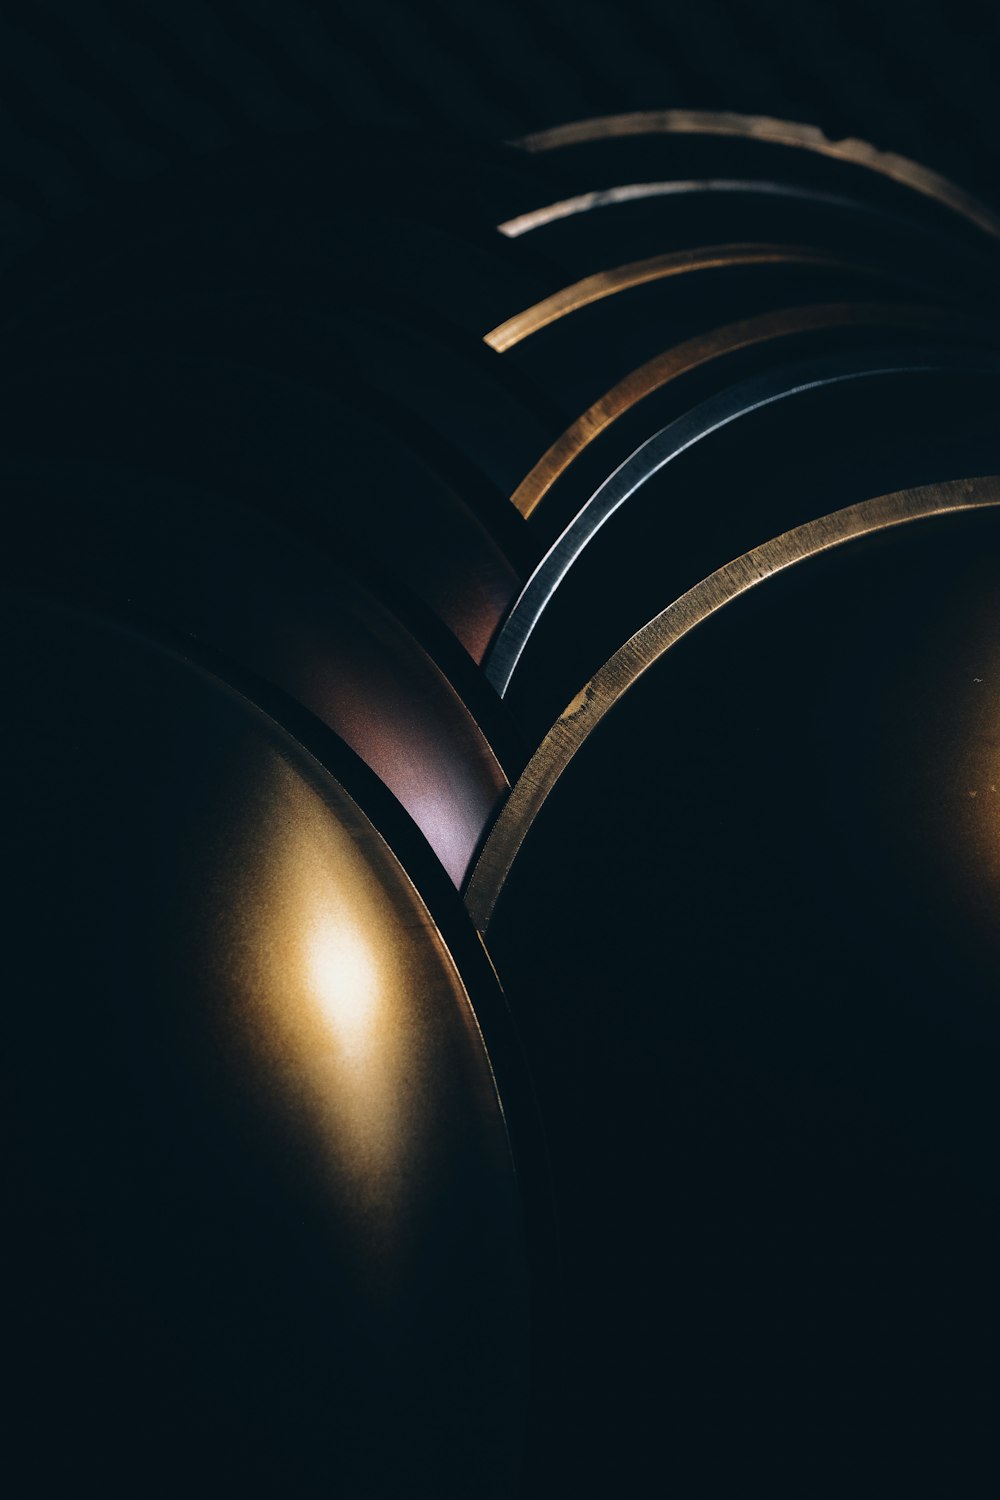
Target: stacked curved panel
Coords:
[(502, 772)]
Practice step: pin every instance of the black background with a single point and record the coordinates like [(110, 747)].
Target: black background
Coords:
[(96, 95)]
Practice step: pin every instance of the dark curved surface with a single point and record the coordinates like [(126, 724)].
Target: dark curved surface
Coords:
[(767, 1040), (107, 102), (474, 415), (247, 588), (260, 1177), (297, 450)]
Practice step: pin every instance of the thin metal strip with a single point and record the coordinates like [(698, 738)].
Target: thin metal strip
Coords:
[(669, 443), (688, 356), (636, 273), (638, 192), (777, 132), (617, 676)]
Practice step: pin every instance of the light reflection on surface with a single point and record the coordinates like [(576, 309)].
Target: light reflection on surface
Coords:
[(345, 1013), (345, 978)]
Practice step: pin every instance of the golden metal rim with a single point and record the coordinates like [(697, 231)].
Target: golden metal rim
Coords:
[(889, 164), (648, 645), (691, 355), (591, 289)]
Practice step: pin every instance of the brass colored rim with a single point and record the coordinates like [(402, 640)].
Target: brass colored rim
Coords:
[(692, 354), (595, 288), (649, 644), (778, 132)]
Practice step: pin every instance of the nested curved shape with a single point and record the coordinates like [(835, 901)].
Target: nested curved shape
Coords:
[(767, 1043), (247, 588), (621, 198), (296, 450), (742, 463), (262, 1197), (473, 418), (599, 696), (587, 232), (691, 355), (576, 346), (896, 169)]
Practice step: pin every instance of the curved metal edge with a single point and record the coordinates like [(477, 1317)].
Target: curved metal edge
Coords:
[(633, 192), (688, 356), (332, 758), (648, 645), (781, 133), (661, 449), (636, 273), (461, 711), (436, 899), (431, 637)]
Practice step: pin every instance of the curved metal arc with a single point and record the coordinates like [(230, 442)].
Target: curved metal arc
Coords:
[(648, 645), (339, 771), (343, 777), (636, 273), (688, 356), (383, 822), (777, 132), (637, 192), (648, 459)]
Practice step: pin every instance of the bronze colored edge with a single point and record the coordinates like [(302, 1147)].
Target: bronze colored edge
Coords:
[(780, 132), (690, 355), (628, 664), (639, 273)]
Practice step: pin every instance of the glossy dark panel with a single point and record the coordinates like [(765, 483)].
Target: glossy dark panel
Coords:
[(261, 1208)]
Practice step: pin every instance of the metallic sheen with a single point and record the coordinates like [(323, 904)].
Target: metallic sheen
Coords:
[(590, 705), (779, 132), (659, 450), (632, 192), (689, 355), (640, 273), (242, 977)]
